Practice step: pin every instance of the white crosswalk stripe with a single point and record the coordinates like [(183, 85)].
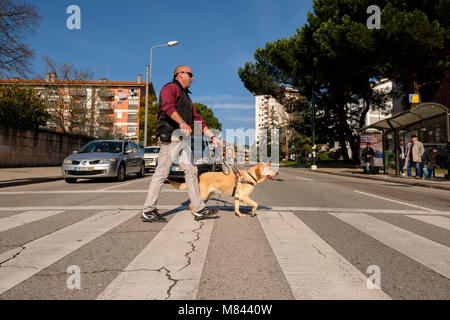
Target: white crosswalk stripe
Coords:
[(313, 268), (170, 266), (24, 218), (20, 264), (429, 253), (175, 256), (438, 221)]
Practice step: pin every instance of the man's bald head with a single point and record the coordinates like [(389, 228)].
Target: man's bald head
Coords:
[(183, 75), (179, 69)]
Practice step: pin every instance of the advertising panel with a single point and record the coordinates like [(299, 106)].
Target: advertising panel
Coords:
[(376, 142)]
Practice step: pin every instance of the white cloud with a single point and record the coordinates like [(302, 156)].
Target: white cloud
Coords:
[(221, 98), (232, 106), (240, 119)]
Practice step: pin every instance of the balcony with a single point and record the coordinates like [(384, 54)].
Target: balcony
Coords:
[(78, 92), (105, 107), (105, 120), (105, 94)]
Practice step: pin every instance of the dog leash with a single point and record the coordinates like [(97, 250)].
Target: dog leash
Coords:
[(237, 174)]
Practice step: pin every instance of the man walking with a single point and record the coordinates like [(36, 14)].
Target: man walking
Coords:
[(414, 153), (176, 111)]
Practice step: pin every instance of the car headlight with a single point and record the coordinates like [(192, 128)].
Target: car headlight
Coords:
[(109, 160), (67, 161)]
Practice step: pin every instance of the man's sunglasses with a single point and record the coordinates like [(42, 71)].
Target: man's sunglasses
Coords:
[(188, 73)]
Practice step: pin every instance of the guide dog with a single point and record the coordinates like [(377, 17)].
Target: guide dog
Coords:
[(239, 185)]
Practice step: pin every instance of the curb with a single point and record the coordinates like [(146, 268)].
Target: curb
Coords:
[(21, 182), (387, 179)]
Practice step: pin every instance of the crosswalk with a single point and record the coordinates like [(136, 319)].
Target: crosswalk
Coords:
[(171, 265)]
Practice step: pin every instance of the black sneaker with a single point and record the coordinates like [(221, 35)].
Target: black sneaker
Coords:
[(152, 216), (205, 213)]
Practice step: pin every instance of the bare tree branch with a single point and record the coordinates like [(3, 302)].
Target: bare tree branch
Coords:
[(16, 20)]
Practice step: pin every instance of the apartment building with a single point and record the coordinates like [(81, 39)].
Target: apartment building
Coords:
[(268, 114), (98, 108)]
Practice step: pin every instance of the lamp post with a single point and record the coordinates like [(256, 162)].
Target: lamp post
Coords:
[(148, 78), (313, 102)]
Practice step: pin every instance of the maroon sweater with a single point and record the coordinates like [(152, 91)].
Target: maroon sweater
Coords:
[(169, 95)]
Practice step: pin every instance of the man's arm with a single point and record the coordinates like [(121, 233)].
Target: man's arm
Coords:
[(422, 149)]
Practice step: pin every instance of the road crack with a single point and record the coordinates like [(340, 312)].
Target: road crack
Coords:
[(319, 252), (193, 247), (14, 256)]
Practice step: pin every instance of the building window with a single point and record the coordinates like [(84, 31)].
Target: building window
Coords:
[(132, 117)]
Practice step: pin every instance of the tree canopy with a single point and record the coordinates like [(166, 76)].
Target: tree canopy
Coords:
[(22, 108), (341, 58), (208, 115)]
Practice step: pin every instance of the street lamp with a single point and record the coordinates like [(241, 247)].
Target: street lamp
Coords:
[(313, 103), (149, 76)]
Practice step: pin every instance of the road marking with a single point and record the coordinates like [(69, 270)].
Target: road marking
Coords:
[(168, 267), (19, 264), (86, 191), (305, 179), (24, 218), (434, 220), (400, 202), (313, 269), (427, 252), (262, 207), (123, 184)]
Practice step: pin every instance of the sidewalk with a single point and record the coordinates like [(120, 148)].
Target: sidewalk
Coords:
[(437, 183), (20, 176)]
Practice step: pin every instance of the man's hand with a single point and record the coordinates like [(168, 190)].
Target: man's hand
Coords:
[(185, 128)]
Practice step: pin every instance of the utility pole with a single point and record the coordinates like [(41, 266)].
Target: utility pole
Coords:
[(313, 102)]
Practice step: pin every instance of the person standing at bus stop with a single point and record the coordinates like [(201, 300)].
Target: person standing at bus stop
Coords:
[(402, 149), (414, 153), (177, 112)]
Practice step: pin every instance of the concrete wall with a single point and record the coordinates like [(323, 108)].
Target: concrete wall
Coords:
[(28, 148)]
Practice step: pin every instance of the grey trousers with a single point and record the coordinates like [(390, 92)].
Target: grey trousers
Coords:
[(167, 150)]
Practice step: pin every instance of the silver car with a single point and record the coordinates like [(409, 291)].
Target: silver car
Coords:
[(104, 158), (151, 155)]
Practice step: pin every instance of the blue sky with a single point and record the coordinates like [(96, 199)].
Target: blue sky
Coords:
[(215, 39)]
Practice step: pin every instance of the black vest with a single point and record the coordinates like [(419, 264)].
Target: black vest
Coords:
[(166, 125)]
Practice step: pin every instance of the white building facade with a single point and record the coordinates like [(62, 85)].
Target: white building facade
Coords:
[(269, 114)]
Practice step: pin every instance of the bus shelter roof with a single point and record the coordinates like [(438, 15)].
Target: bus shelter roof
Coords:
[(404, 119)]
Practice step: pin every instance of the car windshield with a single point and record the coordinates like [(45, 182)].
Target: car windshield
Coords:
[(102, 146), (151, 150)]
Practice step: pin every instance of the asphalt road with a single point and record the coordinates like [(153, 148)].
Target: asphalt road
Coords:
[(316, 236)]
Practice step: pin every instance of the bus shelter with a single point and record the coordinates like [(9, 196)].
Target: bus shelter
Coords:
[(428, 121)]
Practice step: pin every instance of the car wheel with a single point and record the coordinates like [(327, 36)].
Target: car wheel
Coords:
[(70, 180), (141, 172), (121, 173)]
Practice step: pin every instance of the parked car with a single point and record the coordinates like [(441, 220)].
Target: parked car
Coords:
[(104, 158), (205, 161), (151, 155)]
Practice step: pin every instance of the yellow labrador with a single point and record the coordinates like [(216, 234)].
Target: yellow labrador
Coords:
[(219, 182)]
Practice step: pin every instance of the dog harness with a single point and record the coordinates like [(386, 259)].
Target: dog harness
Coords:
[(237, 175)]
